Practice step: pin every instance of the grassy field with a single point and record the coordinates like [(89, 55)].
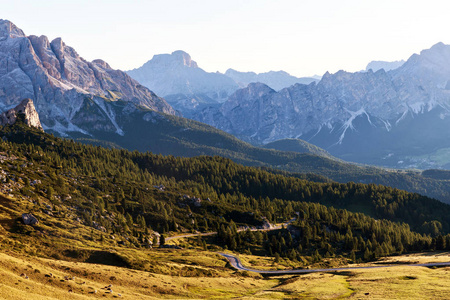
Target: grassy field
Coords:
[(58, 279)]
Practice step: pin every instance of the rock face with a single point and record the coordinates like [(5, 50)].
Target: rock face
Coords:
[(275, 80), (389, 118), (63, 85), (26, 107)]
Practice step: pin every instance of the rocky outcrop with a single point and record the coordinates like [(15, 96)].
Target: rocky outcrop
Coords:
[(27, 109), (62, 83)]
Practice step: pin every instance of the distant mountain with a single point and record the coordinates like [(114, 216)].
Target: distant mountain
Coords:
[(275, 80), (188, 88), (177, 73), (398, 118), (70, 93), (385, 65)]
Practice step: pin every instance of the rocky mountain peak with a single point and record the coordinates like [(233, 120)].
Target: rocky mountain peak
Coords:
[(9, 30), (69, 91), (258, 88), (431, 64), (437, 47), (26, 107), (176, 73), (102, 63), (436, 53), (175, 60), (232, 72), (185, 58)]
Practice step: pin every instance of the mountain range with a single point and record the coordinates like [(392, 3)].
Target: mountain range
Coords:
[(188, 88), (277, 80), (91, 103), (398, 118)]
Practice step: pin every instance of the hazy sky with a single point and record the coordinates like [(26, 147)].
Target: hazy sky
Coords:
[(301, 37)]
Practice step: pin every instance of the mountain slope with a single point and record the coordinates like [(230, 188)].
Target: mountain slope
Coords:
[(98, 170), (62, 84), (100, 213), (296, 145), (171, 135)]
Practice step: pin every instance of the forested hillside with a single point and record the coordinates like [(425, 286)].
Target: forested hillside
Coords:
[(171, 135), (133, 194)]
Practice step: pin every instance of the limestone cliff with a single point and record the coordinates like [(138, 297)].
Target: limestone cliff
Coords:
[(27, 109)]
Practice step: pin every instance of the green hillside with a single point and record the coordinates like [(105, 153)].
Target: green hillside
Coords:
[(170, 135), (129, 178), (297, 145)]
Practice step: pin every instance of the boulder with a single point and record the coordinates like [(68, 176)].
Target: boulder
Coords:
[(29, 219)]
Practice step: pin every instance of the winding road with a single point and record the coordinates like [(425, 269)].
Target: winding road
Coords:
[(237, 264)]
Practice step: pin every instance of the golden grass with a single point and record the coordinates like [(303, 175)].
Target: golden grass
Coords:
[(431, 257), (131, 284), (400, 282)]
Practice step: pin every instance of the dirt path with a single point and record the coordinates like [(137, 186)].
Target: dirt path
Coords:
[(285, 224)]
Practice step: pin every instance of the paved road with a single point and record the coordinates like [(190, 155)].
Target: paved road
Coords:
[(236, 263)]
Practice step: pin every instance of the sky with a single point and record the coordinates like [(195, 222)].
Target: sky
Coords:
[(301, 37)]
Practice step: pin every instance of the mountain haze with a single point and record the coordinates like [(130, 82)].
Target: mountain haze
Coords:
[(277, 80), (390, 118), (189, 89), (385, 65), (177, 73)]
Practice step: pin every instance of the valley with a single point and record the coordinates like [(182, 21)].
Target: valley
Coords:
[(102, 211), (171, 181)]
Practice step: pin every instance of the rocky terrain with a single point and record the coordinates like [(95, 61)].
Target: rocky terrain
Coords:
[(389, 118), (30, 115), (70, 93)]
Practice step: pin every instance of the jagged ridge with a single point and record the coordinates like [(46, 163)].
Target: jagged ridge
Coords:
[(60, 82)]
